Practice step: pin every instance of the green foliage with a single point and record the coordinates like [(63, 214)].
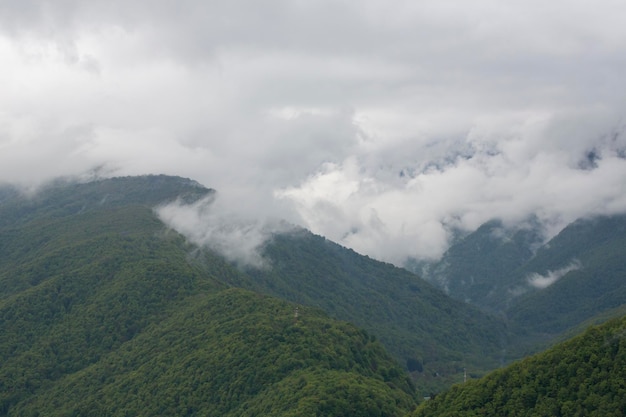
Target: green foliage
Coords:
[(585, 376), (66, 198), (409, 316), (105, 312), (234, 353), (79, 293)]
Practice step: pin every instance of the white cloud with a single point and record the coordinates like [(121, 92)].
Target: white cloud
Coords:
[(543, 281), (208, 223), (413, 214), (379, 124)]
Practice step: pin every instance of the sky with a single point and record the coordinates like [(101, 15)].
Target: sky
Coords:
[(382, 125)]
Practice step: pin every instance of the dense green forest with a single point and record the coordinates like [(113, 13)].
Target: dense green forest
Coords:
[(585, 376), (234, 353), (434, 336), (104, 312)]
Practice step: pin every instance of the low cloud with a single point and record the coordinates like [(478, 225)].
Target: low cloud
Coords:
[(208, 223), (382, 126), (543, 281), (409, 208)]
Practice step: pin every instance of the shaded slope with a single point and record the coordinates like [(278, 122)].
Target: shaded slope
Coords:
[(435, 336), (585, 376), (578, 275), (65, 198), (598, 283), (43, 234), (478, 268)]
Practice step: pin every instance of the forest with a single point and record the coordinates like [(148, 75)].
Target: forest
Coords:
[(585, 376), (106, 311)]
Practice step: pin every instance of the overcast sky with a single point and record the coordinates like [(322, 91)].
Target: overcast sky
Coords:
[(379, 124)]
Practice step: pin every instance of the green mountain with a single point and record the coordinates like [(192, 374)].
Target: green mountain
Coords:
[(234, 353), (478, 268), (103, 311), (585, 376), (434, 336), (543, 291), (591, 255)]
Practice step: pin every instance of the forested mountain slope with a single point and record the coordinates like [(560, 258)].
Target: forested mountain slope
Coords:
[(435, 336), (234, 353), (66, 197), (591, 255), (479, 267), (585, 376), (576, 276), (102, 313)]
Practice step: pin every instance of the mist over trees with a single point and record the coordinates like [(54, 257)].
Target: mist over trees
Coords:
[(105, 309)]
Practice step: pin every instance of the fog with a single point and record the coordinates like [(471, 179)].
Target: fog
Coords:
[(381, 125)]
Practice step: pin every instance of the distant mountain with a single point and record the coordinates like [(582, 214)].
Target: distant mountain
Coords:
[(104, 312), (478, 267), (576, 276), (7, 192), (584, 376), (585, 267)]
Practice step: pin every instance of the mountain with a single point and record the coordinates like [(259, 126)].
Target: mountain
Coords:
[(477, 268), (104, 312), (585, 265), (584, 376), (69, 226), (234, 353), (434, 336), (545, 289)]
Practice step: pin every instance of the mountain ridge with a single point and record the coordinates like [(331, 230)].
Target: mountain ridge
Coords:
[(88, 292), (88, 271)]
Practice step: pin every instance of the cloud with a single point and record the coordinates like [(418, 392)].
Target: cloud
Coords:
[(409, 210), (543, 281), (207, 223), (382, 125)]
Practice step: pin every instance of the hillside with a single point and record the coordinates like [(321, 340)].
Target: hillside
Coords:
[(478, 267), (584, 376), (595, 250), (546, 290), (234, 353), (434, 336), (102, 313)]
